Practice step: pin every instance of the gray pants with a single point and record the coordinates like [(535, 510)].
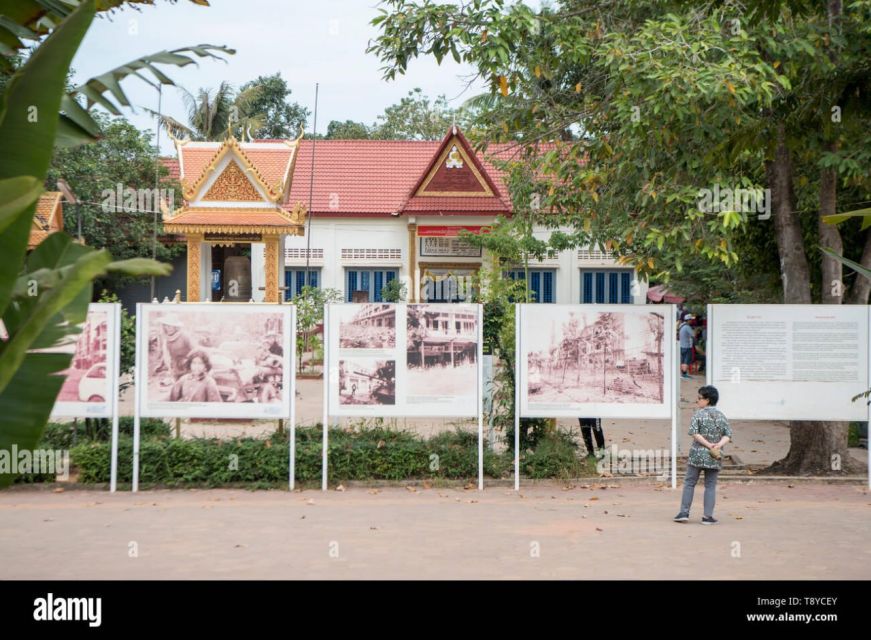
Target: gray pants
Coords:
[(689, 488)]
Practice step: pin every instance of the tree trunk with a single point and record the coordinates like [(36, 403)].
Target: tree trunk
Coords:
[(832, 286), (794, 271), (818, 449), (861, 287), (815, 447)]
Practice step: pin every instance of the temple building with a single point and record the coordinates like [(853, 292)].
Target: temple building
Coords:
[(235, 217), (380, 210)]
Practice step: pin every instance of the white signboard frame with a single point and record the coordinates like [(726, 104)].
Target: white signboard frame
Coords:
[(377, 347), (416, 391), (252, 410), (540, 322), (109, 407), (771, 361), (284, 409), (107, 390)]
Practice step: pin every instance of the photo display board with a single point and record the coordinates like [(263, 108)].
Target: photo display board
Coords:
[(90, 382), (596, 361), (789, 362), (403, 359), (214, 360)]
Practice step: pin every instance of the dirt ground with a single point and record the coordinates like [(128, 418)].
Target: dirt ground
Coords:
[(766, 531)]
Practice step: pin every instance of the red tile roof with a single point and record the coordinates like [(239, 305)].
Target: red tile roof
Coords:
[(270, 163), (47, 219), (365, 177), (379, 176), (171, 165)]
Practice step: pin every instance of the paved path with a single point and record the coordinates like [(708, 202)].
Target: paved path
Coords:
[(767, 531)]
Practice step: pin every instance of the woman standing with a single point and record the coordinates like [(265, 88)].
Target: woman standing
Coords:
[(710, 431)]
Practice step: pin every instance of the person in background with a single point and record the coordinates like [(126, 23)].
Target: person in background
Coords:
[(686, 336), (710, 431), (592, 427)]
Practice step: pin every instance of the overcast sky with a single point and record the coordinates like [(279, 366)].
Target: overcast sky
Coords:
[(308, 42)]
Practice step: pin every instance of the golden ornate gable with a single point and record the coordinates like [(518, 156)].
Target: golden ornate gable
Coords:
[(233, 186)]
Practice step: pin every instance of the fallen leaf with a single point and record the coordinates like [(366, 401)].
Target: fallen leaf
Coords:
[(411, 489), (593, 498), (59, 490), (598, 529)]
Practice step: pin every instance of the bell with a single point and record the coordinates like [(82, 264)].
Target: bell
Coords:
[(237, 279)]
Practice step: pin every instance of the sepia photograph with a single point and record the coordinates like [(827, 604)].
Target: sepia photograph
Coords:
[(441, 350), (87, 379), (372, 326), (580, 357), (367, 382), (214, 356)]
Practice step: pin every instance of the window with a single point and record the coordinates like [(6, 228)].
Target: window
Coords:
[(294, 281), (540, 283), (370, 281), (606, 287)]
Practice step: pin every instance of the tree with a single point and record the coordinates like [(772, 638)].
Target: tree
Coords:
[(415, 118), (281, 119), (347, 130), (123, 158), (667, 100)]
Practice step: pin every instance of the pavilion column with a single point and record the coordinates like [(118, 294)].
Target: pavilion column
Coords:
[(413, 283), (271, 260), (194, 258)]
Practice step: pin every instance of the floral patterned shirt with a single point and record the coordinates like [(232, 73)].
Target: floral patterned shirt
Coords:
[(712, 425)]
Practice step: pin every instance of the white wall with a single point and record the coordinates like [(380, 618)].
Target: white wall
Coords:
[(333, 235)]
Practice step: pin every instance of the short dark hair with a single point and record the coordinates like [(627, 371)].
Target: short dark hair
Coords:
[(710, 393), (202, 356)]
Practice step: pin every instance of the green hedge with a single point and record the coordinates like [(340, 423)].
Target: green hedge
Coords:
[(358, 454)]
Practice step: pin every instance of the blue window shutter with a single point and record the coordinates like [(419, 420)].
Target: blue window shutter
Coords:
[(535, 285), (626, 287), (300, 280), (352, 285), (313, 279), (391, 276), (379, 278), (288, 284), (587, 290), (547, 286), (600, 286), (613, 284), (364, 282)]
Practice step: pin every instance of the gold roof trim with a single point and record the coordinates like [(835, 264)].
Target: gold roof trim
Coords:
[(273, 192)]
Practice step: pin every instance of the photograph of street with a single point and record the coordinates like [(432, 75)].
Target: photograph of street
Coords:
[(583, 357), (367, 381), (441, 350), (373, 326), (87, 379)]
